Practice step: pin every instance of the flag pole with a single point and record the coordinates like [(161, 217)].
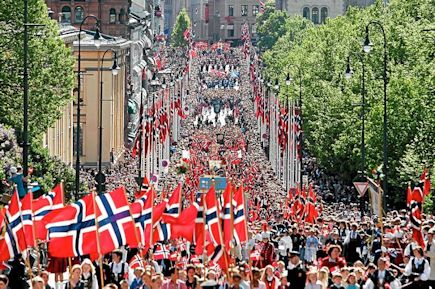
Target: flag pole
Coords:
[(134, 224), (152, 215), (100, 261), (231, 217), (220, 231), (34, 232), (204, 208), (63, 204)]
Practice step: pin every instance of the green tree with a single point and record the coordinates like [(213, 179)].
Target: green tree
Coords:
[(271, 25), (51, 76), (51, 80), (332, 123), (182, 23)]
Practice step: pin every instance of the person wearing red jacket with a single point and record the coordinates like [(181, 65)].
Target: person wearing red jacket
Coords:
[(333, 261), (267, 254)]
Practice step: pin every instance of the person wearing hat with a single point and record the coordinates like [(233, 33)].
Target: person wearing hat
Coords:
[(271, 281), (18, 179), (267, 253), (236, 280), (88, 276), (285, 245), (37, 283), (418, 269), (312, 282), (334, 239), (296, 274), (74, 281), (430, 255)]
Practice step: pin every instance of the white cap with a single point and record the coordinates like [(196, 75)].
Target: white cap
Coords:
[(13, 170)]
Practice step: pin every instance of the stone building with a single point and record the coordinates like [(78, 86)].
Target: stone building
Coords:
[(113, 14), (318, 10)]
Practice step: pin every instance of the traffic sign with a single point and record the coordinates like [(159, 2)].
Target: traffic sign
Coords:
[(205, 183), (361, 187)]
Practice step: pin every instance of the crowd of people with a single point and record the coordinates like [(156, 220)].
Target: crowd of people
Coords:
[(341, 249)]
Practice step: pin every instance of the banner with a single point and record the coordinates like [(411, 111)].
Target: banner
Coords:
[(375, 197)]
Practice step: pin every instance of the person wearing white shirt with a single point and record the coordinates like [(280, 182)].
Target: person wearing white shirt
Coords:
[(285, 245), (418, 268), (430, 255), (118, 269)]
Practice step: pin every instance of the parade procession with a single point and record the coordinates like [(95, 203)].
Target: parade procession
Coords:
[(152, 144)]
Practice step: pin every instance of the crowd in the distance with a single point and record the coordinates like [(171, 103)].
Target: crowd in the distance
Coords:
[(342, 249)]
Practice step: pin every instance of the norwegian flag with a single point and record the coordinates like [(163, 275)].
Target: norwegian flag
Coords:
[(73, 229), (27, 218), (162, 230), (136, 146), (228, 215), (425, 179), (240, 225), (212, 219), (44, 205), (8, 244), (115, 223), (409, 197), (415, 215), (199, 233), (136, 262), (15, 222), (161, 252), (298, 131), (311, 213), (283, 128), (145, 188)]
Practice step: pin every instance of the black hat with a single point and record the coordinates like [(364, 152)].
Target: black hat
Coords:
[(294, 253)]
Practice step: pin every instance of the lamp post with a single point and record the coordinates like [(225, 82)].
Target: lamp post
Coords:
[(100, 177), (367, 46), (97, 43), (288, 81), (348, 74)]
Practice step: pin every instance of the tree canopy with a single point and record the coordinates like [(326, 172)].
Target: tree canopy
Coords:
[(182, 23), (51, 81), (332, 122)]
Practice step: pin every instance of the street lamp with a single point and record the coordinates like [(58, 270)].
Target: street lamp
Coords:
[(100, 177), (367, 47), (348, 74), (97, 43), (288, 81)]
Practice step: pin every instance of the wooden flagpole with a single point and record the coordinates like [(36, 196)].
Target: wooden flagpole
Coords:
[(134, 224), (100, 261), (204, 208), (231, 216)]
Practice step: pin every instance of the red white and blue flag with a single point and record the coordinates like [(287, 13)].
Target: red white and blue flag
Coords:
[(15, 222), (8, 244), (72, 230), (240, 225), (44, 205), (27, 218), (228, 215), (212, 217), (173, 208)]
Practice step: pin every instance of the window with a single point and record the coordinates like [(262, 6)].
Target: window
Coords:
[(122, 15), (66, 14), (255, 10), (230, 10), (230, 29), (112, 15), (306, 13), (315, 15), (79, 14), (244, 10), (323, 14)]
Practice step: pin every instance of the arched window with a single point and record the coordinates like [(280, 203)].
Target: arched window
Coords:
[(122, 15), (323, 14), (66, 14), (315, 15), (306, 13), (79, 14), (112, 15)]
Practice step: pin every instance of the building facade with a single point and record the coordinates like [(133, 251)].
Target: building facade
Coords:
[(58, 139), (113, 14), (114, 99), (319, 10)]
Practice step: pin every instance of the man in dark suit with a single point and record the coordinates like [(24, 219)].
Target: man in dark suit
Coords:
[(354, 242), (297, 274), (381, 276)]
